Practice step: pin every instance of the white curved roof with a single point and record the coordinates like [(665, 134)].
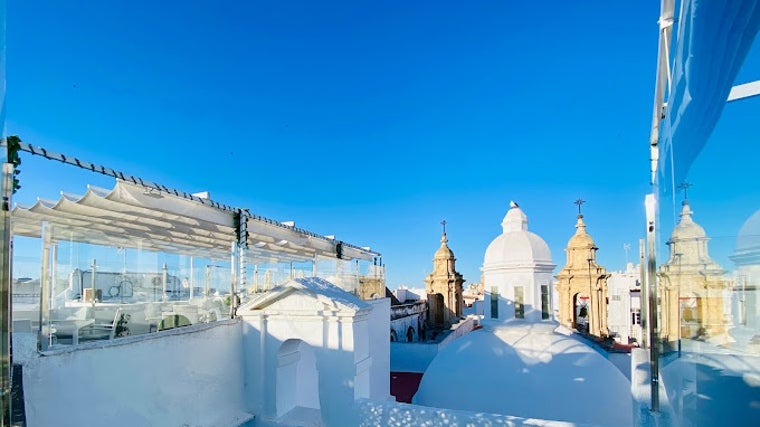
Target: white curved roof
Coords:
[(517, 248), (527, 370), (132, 215), (516, 245), (748, 239)]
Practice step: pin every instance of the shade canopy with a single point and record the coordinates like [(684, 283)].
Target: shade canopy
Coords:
[(713, 40), (134, 216)]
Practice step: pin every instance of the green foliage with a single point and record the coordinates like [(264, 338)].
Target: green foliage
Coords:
[(14, 145)]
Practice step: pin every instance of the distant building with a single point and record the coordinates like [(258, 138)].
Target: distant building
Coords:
[(746, 256), (624, 306), (517, 272), (695, 291), (473, 293), (582, 285), (745, 298), (408, 321), (371, 287), (444, 288)]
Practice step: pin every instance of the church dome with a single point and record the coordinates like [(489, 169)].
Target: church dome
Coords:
[(747, 252), (516, 245), (530, 371), (748, 239), (687, 228)]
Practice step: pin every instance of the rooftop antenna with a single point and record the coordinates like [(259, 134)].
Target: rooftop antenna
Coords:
[(579, 202), (626, 248)]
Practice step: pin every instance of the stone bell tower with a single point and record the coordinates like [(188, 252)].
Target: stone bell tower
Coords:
[(582, 284), (694, 290), (444, 287)]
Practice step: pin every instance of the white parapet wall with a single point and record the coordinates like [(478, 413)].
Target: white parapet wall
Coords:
[(188, 376), (379, 349)]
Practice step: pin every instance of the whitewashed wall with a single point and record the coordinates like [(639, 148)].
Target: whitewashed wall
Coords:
[(401, 326), (166, 379), (380, 349), (506, 281), (340, 341), (622, 301)]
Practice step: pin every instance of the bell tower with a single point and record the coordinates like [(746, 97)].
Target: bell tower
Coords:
[(444, 287), (582, 284)]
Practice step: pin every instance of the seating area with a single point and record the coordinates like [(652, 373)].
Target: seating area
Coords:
[(85, 322), (138, 258)]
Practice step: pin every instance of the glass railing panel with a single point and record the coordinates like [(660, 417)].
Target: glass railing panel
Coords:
[(709, 277), (75, 292)]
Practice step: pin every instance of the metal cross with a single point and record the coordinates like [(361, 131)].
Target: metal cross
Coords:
[(579, 202), (685, 187), (443, 223)]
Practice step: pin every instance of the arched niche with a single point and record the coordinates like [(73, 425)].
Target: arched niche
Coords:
[(297, 377)]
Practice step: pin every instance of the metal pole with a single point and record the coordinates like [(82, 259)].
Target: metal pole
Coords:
[(192, 277), (45, 288), (6, 352), (644, 300), (242, 280), (53, 272), (233, 279), (652, 297), (256, 278), (208, 281), (92, 282), (164, 278)]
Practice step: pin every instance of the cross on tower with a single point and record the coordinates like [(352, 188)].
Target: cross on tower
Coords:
[(579, 202), (443, 223), (685, 187)]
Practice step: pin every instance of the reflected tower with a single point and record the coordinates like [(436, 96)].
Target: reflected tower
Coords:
[(693, 287)]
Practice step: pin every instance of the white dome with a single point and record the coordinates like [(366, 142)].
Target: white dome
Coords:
[(516, 245), (748, 239), (527, 370), (517, 248)]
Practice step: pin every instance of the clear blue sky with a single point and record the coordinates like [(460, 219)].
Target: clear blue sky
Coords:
[(372, 121)]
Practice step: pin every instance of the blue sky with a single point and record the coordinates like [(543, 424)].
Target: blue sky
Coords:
[(372, 121)]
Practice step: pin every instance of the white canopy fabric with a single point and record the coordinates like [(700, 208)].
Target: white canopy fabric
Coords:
[(134, 216), (713, 39)]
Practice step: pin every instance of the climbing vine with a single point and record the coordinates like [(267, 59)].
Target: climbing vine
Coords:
[(14, 146)]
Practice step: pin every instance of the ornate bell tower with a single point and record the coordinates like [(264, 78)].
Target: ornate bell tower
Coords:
[(582, 284), (694, 290), (444, 287)]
